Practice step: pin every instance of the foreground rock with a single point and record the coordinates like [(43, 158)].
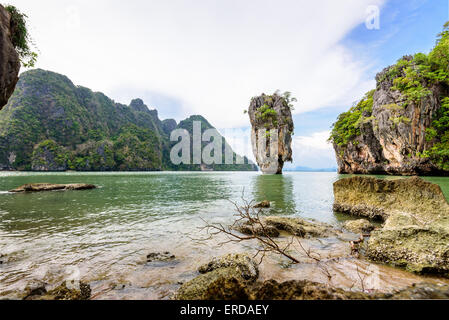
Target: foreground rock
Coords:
[(245, 266), (272, 227), (271, 121), (306, 290), (9, 59), (302, 228), (224, 278), (359, 226), (160, 257), (38, 291), (39, 187), (415, 234)]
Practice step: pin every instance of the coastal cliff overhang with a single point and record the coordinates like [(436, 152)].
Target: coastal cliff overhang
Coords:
[(9, 59)]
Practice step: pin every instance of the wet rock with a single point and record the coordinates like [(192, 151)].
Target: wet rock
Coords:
[(407, 242), (9, 59), (302, 290), (379, 198), (39, 187), (264, 204), (220, 284), (75, 291), (224, 278), (245, 266), (63, 292), (35, 289), (160, 257), (301, 227), (415, 234), (423, 291), (359, 226), (257, 230), (271, 121)]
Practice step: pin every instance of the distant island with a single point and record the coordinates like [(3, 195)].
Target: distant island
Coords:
[(49, 124)]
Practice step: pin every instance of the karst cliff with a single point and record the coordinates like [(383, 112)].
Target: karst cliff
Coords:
[(401, 127), (272, 129)]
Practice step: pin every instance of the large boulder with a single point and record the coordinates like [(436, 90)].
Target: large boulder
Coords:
[(9, 59), (272, 129), (415, 234), (225, 278)]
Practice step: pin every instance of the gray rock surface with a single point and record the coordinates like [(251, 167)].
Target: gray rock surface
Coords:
[(394, 135), (9, 59)]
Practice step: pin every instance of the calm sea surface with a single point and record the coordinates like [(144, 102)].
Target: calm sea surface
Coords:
[(106, 233)]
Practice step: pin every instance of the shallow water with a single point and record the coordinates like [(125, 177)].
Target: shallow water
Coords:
[(103, 236)]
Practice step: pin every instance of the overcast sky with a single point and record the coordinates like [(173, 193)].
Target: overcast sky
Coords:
[(209, 57)]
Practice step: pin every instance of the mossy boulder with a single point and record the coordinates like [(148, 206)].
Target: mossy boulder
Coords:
[(245, 266), (359, 226), (65, 291), (223, 278), (301, 227)]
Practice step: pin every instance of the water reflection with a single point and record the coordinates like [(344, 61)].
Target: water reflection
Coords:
[(278, 189)]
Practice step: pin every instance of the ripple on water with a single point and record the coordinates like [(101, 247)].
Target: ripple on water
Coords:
[(106, 233)]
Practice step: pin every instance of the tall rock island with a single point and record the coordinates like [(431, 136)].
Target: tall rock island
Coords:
[(401, 127), (9, 59), (272, 129)]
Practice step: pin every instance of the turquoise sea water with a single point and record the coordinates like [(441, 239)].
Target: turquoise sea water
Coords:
[(107, 231)]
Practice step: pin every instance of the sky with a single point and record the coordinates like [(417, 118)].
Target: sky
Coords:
[(209, 57)]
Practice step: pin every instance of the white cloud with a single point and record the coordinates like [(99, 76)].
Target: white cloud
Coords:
[(212, 56), (313, 151)]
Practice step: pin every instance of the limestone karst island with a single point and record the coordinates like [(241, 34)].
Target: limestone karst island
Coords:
[(197, 151)]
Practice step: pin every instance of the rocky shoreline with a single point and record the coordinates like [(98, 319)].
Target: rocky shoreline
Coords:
[(415, 215)]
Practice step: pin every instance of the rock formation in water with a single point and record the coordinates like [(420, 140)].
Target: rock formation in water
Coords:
[(9, 59), (400, 127), (40, 187), (272, 129), (415, 234)]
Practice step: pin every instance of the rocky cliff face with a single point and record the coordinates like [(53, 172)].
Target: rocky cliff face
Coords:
[(9, 59), (392, 137), (272, 129), (400, 127)]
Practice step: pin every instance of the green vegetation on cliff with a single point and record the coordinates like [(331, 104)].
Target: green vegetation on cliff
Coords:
[(414, 81), (50, 124), (348, 123), (21, 38)]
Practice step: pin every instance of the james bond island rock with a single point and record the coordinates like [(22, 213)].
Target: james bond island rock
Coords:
[(39, 187), (415, 234), (400, 127), (9, 59), (272, 129), (50, 124)]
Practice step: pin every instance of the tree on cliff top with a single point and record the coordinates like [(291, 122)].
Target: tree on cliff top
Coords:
[(21, 38)]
